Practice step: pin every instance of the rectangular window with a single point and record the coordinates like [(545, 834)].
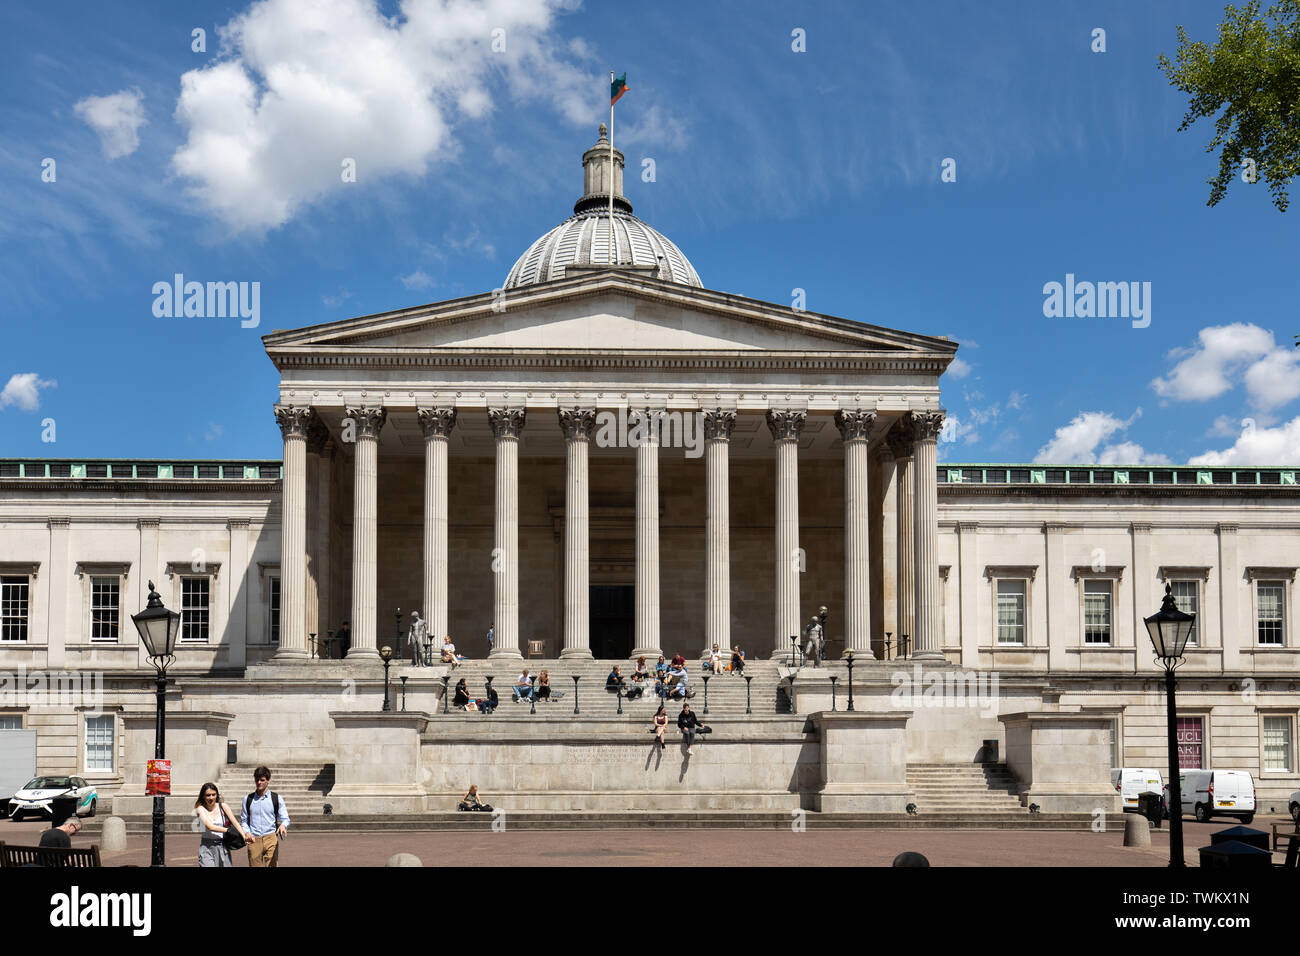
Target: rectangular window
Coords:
[(1011, 612), (194, 610), (11, 721), (105, 608), (14, 601), (99, 743), (1187, 599), (1096, 612), (1277, 744), (1269, 596), (1191, 743), (1114, 743), (275, 611)]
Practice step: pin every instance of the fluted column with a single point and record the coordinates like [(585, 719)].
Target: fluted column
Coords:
[(436, 424), (786, 425), (507, 425), (323, 521), (855, 429), (317, 438), (647, 532), (718, 425), (365, 530), (900, 443), (577, 425), (925, 528), (294, 422)]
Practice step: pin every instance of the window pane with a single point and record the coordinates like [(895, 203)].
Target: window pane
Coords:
[(1096, 612), (1268, 602), (275, 610), (1277, 743), (11, 722), (1011, 612), (99, 743), (194, 610), (1190, 743), (14, 592), (105, 594), (1187, 600)]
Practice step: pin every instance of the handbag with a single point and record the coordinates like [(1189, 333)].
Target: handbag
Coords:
[(231, 838)]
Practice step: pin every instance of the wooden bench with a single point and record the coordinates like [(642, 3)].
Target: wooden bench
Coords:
[(77, 857), (1291, 838)]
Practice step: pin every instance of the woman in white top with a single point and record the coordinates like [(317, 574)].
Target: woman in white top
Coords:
[(216, 819), (449, 651)]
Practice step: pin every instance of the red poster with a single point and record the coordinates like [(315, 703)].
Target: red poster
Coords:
[(1190, 743), (158, 778)]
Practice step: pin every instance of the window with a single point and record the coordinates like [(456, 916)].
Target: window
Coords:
[(1269, 596), (1191, 742), (1277, 744), (1114, 743), (274, 629), (105, 608), (1011, 612), (99, 743), (194, 610), (14, 600), (11, 721), (1187, 599), (1096, 612)]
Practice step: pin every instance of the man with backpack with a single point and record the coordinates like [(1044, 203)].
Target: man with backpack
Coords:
[(266, 819)]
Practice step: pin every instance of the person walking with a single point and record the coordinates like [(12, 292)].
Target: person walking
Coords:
[(660, 725), (690, 725), (265, 821), (216, 819)]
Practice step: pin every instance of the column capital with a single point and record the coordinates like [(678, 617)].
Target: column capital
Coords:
[(786, 424), (294, 420), (318, 435), (507, 422), (577, 423), (854, 424), (436, 422), (718, 424), (369, 420), (927, 425)]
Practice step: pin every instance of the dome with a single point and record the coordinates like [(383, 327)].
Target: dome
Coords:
[(583, 239)]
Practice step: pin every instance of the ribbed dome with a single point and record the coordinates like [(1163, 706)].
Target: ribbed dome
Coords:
[(583, 239)]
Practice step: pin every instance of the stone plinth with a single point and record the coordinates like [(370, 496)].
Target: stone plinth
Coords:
[(195, 744), (378, 769), (863, 761), (1062, 759)]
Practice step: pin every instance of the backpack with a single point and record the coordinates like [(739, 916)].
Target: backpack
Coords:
[(275, 805)]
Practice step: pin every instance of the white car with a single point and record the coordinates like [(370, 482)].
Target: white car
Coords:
[(39, 794)]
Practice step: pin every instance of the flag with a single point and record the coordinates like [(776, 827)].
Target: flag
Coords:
[(617, 89)]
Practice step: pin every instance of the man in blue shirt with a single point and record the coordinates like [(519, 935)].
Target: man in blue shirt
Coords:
[(266, 818)]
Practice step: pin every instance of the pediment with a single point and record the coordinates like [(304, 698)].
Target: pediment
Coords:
[(607, 312)]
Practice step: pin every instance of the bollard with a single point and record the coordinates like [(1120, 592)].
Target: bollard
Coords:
[(910, 858), (113, 839), (403, 859), (1137, 830)]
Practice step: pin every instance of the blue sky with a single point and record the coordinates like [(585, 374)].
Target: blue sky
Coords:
[(775, 170)]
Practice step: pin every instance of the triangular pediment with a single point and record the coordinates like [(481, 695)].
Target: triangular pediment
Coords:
[(607, 311)]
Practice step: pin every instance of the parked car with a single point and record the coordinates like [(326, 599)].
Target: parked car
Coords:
[(1293, 804), (1131, 781), (1217, 793), (50, 795)]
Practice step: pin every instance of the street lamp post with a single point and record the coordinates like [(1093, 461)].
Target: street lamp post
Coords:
[(833, 680), (889, 636), (705, 678), (748, 678), (1170, 629), (794, 650), (386, 655), (403, 693), (575, 692), (159, 629), (848, 656)]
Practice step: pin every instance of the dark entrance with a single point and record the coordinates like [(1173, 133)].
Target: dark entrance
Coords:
[(613, 621)]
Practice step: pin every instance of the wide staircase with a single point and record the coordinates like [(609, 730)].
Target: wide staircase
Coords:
[(302, 786), (964, 788)]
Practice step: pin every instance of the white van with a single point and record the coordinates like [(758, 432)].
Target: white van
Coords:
[(1131, 781), (1217, 793)]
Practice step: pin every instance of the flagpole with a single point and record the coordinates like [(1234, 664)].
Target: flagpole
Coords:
[(611, 169)]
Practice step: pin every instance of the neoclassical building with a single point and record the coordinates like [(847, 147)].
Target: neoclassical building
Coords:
[(604, 459)]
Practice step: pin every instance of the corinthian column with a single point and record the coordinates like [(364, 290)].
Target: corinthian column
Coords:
[(365, 530), (577, 425), (318, 436), (647, 533), (855, 429), (436, 423), (900, 443), (786, 426), (294, 422), (717, 528), (507, 425), (925, 516)]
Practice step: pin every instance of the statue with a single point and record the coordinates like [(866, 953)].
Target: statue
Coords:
[(816, 644), (418, 638)]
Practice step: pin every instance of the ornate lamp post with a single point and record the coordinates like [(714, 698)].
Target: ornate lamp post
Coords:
[(794, 650), (159, 629), (833, 680), (848, 656), (902, 645), (386, 655), (1170, 629), (748, 678), (889, 636), (575, 692), (705, 678), (532, 694), (403, 693), (445, 702)]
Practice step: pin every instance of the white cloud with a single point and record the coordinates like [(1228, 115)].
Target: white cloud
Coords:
[(1271, 372), (334, 301), (654, 128), (958, 368), (307, 84), (1079, 441), (214, 431), (1016, 400), (418, 279), (117, 119), (1259, 446), (24, 390)]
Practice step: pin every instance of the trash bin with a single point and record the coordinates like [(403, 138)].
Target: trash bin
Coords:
[(1235, 855), (232, 751), (1255, 838), (1151, 806)]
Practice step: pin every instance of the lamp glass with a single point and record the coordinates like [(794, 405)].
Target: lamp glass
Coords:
[(158, 629)]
